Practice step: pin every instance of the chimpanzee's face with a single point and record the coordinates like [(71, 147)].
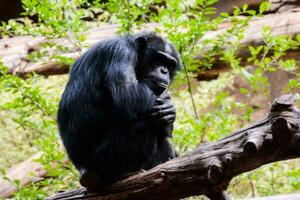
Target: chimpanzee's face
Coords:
[(159, 71), (157, 65)]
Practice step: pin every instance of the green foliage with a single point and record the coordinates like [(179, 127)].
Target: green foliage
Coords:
[(23, 109), (54, 20), (32, 113), (26, 103), (225, 114), (206, 111), (270, 180), (270, 58), (133, 12)]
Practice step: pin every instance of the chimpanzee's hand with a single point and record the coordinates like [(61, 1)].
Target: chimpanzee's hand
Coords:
[(163, 113)]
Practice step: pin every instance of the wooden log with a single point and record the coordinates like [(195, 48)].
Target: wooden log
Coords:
[(209, 168), (14, 51), (228, 6), (280, 24), (25, 172)]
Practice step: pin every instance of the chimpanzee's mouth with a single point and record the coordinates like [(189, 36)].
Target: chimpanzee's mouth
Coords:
[(161, 85)]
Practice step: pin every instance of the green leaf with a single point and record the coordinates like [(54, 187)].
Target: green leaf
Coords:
[(264, 6), (251, 12), (210, 2), (244, 7), (288, 65), (224, 14), (244, 91), (272, 69), (298, 37), (236, 11)]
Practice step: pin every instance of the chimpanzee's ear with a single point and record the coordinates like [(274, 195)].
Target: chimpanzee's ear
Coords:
[(141, 42)]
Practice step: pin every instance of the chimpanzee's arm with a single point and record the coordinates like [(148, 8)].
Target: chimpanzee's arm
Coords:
[(130, 97)]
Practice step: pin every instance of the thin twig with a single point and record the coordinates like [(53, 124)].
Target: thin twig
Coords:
[(190, 90)]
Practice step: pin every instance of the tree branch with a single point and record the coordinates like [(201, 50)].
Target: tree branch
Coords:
[(25, 172), (209, 168)]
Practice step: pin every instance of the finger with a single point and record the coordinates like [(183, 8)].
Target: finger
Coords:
[(164, 98), (161, 101), (165, 112), (168, 118), (164, 103), (160, 108), (165, 95)]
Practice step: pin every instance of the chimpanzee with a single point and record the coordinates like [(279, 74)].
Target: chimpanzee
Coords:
[(115, 116)]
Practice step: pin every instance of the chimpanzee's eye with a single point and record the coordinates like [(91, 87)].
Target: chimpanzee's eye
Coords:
[(167, 59), (172, 64)]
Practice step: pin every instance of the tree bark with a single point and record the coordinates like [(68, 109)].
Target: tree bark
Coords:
[(280, 6), (209, 168)]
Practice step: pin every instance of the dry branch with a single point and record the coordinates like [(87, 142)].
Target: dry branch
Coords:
[(25, 172), (209, 169)]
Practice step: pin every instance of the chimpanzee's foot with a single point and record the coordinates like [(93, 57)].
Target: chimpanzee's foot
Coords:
[(213, 195), (90, 180), (94, 181)]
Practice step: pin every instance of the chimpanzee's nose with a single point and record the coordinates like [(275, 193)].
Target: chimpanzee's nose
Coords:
[(163, 70)]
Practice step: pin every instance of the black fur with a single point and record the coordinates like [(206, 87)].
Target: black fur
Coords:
[(111, 117)]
